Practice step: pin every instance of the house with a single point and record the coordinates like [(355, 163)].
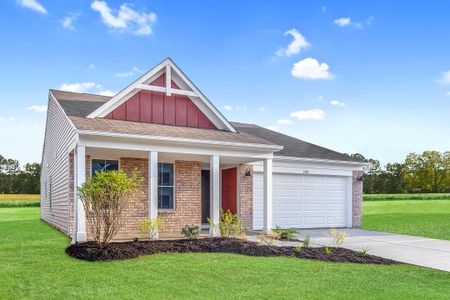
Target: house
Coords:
[(193, 161)]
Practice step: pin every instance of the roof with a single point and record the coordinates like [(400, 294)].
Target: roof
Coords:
[(79, 105), (293, 147)]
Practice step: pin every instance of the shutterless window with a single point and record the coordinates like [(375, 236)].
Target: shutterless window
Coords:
[(165, 186), (102, 165)]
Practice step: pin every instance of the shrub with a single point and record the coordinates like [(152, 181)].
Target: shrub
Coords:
[(298, 248), (267, 239), (105, 198), (191, 231), (285, 234), (327, 251), (150, 228), (337, 236), (229, 224), (364, 251), (306, 241)]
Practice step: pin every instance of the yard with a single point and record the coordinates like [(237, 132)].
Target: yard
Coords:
[(426, 218), (34, 265)]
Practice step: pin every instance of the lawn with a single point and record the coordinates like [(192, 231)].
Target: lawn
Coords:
[(34, 265), (19, 200), (427, 218)]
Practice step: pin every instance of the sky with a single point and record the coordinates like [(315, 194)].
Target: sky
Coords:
[(371, 77)]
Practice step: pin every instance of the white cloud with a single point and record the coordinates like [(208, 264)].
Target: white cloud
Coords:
[(310, 114), (78, 87), (338, 103), (107, 93), (310, 68), (298, 43), (448, 93), (343, 21), (34, 5), (86, 87), (262, 108), (37, 108), (445, 79), (67, 21), (237, 107), (125, 74), (273, 128), (6, 119), (91, 67), (285, 122), (126, 18), (129, 73)]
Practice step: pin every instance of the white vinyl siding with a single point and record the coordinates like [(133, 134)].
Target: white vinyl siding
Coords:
[(60, 135)]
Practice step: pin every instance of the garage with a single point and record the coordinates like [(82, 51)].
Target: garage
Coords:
[(303, 201)]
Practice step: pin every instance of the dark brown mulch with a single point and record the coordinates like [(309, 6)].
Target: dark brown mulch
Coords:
[(90, 251)]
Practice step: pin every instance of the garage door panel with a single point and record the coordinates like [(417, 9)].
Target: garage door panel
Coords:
[(303, 201)]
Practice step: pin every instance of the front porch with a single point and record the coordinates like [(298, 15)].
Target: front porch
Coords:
[(181, 188)]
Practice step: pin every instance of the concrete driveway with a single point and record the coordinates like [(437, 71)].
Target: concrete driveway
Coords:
[(414, 250)]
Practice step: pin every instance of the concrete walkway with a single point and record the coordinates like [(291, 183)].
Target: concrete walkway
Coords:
[(425, 252)]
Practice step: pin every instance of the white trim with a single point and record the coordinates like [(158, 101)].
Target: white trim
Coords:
[(180, 140), (80, 234), (161, 89), (349, 202), (153, 186), (318, 160), (210, 111), (267, 198), (168, 81)]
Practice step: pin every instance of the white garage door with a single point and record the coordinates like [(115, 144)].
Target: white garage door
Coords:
[(302, 201)]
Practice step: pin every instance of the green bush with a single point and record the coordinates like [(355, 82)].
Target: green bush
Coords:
[(393, 197), (284, 234), (190, 231), (229, 224)]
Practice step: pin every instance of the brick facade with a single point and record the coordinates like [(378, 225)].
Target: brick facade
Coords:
[(357, 189), (246, 195), (188, 208)]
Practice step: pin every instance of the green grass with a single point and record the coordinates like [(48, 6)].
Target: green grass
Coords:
[(19, 200), (427, 218), (384, 197), (33, 265)]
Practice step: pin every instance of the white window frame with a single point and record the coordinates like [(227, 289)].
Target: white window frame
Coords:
[(173, 187)]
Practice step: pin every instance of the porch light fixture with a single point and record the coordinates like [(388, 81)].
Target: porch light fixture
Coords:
[(248, 173)]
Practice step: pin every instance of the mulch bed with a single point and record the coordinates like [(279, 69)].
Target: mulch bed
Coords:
[(90, 251)]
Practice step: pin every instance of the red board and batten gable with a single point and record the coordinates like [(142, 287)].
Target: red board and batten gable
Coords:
[(156, 107)]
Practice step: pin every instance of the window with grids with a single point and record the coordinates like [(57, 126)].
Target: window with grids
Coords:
[(102, 165), (165, 186)]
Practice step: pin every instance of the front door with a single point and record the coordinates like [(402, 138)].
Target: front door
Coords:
[(205, 196), (229, 190)]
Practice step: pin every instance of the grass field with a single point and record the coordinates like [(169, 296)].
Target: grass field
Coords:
[(34, 265), (19, 200), (427, 218), (385, 197)]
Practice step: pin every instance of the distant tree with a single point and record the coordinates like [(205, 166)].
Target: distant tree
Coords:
[(427, 172), (14, 180)]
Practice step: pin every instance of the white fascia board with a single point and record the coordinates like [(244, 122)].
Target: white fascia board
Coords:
[(318, 160), (90, 141), (240, 145)]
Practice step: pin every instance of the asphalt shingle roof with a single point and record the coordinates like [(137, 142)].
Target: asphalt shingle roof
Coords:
[(79, 105)]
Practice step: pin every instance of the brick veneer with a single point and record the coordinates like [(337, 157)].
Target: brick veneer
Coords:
[(188, 208), (357, 198), (246, 196)]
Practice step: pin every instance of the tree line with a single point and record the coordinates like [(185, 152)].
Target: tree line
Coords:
[(428, 172), (17, 180)]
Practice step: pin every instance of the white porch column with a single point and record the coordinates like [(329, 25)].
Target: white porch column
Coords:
[(267, 195), (80, 214), (153, 187), (214, 186)]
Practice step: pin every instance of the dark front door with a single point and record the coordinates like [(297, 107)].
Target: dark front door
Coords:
[(205, 196)]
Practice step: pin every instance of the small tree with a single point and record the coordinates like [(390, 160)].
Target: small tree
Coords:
[(105, 198)]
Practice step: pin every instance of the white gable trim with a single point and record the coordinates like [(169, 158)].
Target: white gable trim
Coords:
[(190, 90)]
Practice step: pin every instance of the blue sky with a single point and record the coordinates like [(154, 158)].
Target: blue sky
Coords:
[(355, 76)]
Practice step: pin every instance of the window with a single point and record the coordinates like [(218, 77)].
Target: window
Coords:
[(165, 186), (100, 165)]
